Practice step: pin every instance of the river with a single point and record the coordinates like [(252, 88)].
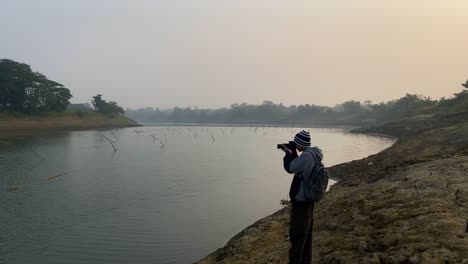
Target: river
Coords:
[(167, 194)]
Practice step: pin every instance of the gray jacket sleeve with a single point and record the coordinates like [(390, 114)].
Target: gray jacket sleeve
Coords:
[(288, 158), (300, 163)]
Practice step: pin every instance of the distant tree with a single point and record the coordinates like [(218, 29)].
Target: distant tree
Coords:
[(367, 104), (352, 107), (100, 105), (23, 90), (459, 100), (98, 102), (80, 107), (58, 98), (114, 108)]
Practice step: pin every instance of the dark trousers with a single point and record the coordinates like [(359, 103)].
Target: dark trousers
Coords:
[(300, 233)]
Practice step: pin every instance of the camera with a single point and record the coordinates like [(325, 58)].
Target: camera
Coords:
[(290, 145)]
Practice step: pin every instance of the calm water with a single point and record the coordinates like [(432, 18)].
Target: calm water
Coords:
[(147, 203)]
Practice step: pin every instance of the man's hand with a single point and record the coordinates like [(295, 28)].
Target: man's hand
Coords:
[(285, 149)]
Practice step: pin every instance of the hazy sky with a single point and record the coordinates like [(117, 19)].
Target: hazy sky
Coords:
[(215, 53)]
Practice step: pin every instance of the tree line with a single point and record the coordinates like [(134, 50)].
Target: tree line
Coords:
[(25, 91), (22, 90), (347, 113)]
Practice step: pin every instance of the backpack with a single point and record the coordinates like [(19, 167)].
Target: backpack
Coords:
[(315, 186)]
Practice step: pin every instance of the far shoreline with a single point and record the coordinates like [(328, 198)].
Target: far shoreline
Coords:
[(13, 125)]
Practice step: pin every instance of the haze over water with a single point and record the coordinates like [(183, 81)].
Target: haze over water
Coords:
[(144, 203)]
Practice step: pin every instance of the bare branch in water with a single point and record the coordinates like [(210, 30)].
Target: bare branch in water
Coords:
[(37, 154), (8, 144), (162, 144), (110, 142), (116, 138)]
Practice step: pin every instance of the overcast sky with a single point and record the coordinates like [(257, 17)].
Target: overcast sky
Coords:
[(215, 53)]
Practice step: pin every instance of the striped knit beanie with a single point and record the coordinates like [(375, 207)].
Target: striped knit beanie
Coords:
[(302, 138)]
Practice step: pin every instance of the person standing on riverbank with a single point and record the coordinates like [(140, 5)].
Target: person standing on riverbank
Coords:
[(302, 209)]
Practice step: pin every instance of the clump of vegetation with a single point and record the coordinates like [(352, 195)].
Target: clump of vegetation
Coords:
[(458, 102), (101, 105), (285, 202), (84, 107), (25, 91)]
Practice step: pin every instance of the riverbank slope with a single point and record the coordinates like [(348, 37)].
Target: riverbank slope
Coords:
[(20, 124), (407, 204)]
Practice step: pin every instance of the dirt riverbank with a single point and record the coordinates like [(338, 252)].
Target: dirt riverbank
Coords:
[(18, 124), (407, 204)]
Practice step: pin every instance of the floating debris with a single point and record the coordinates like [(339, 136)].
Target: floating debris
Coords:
[(14, 188), (56, 176)]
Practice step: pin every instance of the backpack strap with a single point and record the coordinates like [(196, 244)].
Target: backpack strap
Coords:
[(317, 163), (315, 158)]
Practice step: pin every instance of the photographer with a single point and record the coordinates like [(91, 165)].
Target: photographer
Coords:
[(302, 209)]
